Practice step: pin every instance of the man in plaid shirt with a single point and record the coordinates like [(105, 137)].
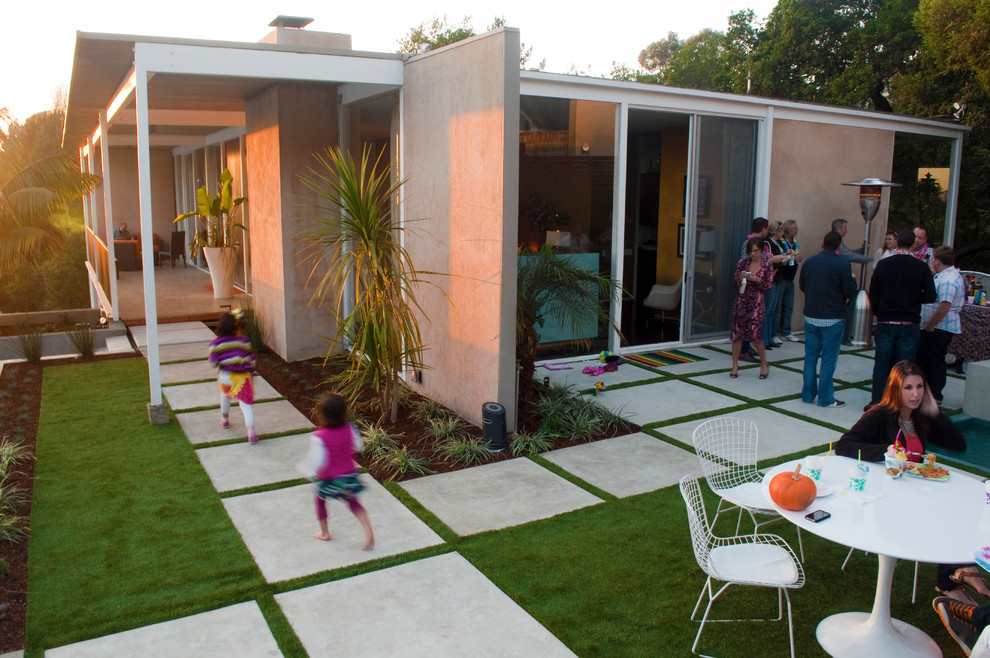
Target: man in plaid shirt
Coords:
[(940, 321)]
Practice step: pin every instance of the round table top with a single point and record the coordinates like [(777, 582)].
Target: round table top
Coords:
[(912, 519)]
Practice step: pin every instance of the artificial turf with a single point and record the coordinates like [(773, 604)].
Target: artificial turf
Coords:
[(127, 529)]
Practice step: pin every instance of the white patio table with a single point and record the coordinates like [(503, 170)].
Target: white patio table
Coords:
[(913, 519)]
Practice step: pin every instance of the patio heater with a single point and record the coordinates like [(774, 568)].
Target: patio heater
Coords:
[(870, 190)]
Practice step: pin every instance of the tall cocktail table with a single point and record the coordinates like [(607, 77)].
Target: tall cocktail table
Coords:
[(913, 519)]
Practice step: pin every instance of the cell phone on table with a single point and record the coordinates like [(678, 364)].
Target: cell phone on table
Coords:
[(817, 516)]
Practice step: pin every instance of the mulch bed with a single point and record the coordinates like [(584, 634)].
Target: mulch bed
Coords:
[(301, 382)]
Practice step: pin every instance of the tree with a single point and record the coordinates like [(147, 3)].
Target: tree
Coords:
[(439, 33), (357, 245), (957, 34), (551, 287)]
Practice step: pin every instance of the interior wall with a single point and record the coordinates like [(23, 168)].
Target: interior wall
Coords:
[(673, 169), (286, 124), (461, 205), (809, 163), (124, 189)]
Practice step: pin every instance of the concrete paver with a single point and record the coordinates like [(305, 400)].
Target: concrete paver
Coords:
[(269, 418), (188, 371), (846, 417), (278, 526), (580, 381), (627, 465), (174, 333), (497, 495), (181, 351), (779, 383), (439, 606), (779, 434), (203, 394), (242, 465), (238, 630), (660, 401)]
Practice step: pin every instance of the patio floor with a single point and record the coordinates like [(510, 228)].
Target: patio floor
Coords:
[(442, 605)]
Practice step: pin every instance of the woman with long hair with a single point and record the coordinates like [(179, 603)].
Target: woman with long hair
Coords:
[(754, 276), (908, 415)]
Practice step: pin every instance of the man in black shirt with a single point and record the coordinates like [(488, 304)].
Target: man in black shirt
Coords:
[(900, 285)]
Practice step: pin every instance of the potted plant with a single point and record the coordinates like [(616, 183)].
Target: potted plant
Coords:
[(216, 239)]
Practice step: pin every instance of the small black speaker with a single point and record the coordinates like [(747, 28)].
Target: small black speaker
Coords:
[(493, 424)]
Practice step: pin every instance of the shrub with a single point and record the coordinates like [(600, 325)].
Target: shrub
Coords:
[(377, 442), (398, 462), (32, 344), (82, 339), (445, 429), (529, 444), (464, 450), (426, 410)]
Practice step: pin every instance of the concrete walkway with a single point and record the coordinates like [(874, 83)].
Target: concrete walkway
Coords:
[(442, 605)]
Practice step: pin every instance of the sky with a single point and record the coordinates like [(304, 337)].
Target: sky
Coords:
[(37, 47)]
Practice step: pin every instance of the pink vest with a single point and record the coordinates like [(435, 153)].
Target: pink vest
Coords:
[(339, 456)]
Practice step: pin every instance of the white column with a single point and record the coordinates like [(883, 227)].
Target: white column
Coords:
[(952, 194), (618, 218), (108, 212), (88, 221), (147, 241)]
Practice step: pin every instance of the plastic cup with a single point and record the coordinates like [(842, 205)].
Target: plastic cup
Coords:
[(857, 477), (813, 466), (988, 493), (895, 466)]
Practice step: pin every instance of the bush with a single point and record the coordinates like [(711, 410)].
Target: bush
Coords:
[(82, 340), (398, 462), (465, 450), (66, 283), (32, 343), (529, 444)]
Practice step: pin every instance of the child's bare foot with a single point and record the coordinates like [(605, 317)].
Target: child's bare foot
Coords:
[(322, 536), (369, 544)]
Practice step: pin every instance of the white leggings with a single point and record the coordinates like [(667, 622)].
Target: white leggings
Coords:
[(245, 409)]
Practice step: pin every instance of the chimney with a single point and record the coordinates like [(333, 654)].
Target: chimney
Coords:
[(289, 32)]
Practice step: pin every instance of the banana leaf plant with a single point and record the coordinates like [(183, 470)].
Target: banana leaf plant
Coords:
[(218, 211)]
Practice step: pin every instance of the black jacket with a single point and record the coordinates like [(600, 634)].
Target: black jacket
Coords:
[(900, 285), (827, 283), (877, 429)]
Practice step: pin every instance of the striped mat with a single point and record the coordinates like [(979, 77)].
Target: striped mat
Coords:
[(661, 359)]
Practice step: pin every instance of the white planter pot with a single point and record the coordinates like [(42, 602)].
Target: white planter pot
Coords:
[(222, 262)]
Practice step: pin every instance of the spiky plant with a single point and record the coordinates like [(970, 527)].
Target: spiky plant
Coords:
[(399, 462), (465, 450), (355, 246), (529, 444)]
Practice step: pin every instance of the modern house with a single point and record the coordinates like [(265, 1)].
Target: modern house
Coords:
[(649, 184)]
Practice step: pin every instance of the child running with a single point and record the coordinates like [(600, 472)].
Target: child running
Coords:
[(331, 455), (234, 356)]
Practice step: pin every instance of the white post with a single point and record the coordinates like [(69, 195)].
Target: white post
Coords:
[(952, 194), (108, 212), (157, 412)]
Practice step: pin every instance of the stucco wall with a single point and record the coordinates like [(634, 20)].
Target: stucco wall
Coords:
[(124, 189), (286, 124), (809, 163), (461, 125)]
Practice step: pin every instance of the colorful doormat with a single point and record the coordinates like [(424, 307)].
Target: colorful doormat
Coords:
[(661, 359)]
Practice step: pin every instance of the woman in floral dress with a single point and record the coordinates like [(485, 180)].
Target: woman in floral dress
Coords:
[(749, 306)]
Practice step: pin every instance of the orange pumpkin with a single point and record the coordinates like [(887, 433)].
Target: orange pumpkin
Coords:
[(793, 491)]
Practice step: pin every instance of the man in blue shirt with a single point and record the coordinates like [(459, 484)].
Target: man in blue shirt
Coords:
[(940, 321), (827, 283)]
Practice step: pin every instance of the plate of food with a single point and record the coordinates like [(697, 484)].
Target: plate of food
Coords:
[(926, 472), (823, 490)]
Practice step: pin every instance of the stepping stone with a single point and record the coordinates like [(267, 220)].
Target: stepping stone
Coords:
[(439, 606), (189, 371), (174, 333), (779, 434), (269, 418), (845, 417), (851, 369), (204, 394), (117, 345), (238, 630), (181, 351), (243, 465), (278, 526), (627, 465), (497, 495), (780, 383), (660, 401)]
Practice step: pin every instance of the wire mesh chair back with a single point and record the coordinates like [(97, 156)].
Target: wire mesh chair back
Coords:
[(701, 535), (726, 448)]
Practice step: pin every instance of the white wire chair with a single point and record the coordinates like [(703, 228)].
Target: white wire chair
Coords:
[(760, 560), (726, 448)]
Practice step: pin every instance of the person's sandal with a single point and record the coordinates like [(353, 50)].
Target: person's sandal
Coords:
[(965, 578), (733, 375)]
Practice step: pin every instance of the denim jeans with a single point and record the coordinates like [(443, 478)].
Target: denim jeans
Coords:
[(894, 343), (821, 343), (932, 346), (769, 329), (786, 308)]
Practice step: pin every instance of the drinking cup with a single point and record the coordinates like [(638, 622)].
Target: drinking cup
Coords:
[(895, 466), (813, 466), (857, 478)]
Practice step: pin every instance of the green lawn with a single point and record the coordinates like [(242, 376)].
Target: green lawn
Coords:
[(127, 530)]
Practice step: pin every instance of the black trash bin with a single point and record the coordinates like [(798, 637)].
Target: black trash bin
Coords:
[(493, 423)]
